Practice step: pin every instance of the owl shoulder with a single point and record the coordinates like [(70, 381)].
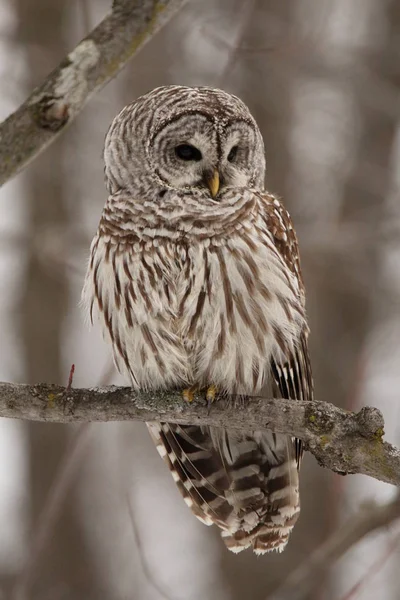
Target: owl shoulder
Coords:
[(279, 223)]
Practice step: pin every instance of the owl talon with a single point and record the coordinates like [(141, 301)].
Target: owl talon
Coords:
[(188, 393), (211, 395)]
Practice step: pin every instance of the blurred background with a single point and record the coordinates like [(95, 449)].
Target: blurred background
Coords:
[(91, 512)]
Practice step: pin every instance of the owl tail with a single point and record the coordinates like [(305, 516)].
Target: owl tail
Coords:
[(278, 514), (246, 484)]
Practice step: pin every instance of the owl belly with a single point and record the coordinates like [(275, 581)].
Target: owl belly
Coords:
[(234, 312), (201, 314)]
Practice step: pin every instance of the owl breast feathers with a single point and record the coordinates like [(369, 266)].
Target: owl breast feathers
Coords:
[(194, 277)]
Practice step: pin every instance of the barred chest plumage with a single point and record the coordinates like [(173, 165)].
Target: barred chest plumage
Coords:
[(207, 311)]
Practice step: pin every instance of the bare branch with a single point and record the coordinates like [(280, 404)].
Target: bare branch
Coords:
[(94, 61), (307, 576), (342, 441)]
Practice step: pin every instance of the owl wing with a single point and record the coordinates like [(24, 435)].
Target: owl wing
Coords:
[(292, 377)]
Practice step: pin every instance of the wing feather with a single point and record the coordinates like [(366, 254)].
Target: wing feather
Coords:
[(292, 372)]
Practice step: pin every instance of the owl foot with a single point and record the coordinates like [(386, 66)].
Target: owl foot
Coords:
[(211, 395), (188, 393)]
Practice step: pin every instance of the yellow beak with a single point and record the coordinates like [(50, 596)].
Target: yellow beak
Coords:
[(213, 183)]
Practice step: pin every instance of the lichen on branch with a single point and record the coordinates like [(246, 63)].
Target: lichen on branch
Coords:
[(342, 441)]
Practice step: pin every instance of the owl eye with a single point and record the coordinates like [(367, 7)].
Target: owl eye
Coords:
[(232, 154), (188, 152)]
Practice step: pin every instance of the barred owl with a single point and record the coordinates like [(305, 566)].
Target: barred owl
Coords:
[(194, 277)]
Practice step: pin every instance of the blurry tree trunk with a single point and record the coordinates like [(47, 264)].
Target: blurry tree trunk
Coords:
[(64, 570), (343, 293), (361, 306)]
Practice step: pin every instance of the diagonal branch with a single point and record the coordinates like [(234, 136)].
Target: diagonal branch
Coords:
[(94, 61), (342, 441)]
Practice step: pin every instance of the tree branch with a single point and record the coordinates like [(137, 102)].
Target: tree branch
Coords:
[(94, 61), (342, 441)]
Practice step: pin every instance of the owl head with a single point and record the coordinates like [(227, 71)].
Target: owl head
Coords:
[(185, 139)]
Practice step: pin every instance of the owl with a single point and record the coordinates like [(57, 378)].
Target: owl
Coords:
[(194, 277)]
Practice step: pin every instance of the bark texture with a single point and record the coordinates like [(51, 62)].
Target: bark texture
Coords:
[(342, 441)]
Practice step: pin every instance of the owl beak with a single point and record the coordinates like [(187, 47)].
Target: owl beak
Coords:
[(213, 182)]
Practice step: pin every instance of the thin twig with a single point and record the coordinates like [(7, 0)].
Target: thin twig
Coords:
[(374, 569), (308, 575), (70, 378), (83, 72), (342, 441)]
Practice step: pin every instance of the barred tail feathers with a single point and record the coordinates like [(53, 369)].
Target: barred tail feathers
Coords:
[(246, 484)]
